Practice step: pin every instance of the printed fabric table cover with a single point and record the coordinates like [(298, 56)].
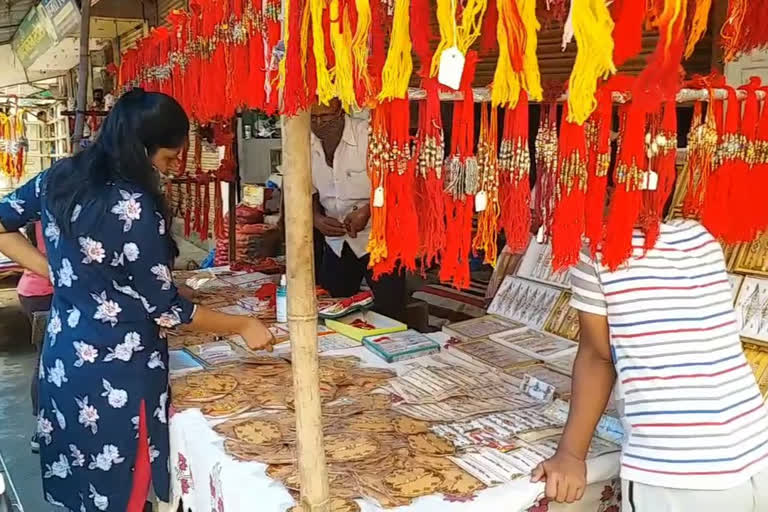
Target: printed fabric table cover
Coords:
[(205, 479)]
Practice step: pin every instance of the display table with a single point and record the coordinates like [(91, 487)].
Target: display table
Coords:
[(206, 479)]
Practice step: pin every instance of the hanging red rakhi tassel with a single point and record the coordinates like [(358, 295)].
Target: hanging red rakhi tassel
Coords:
[(194, 72), (429, 153), (744, 28), (487, 198), (660, 80), (378, 53), (570, 193), (488, 40), (296, 96), (717, 205), (514, 177), (744, 218), (422, 34), (630, 179), (255, 97), (598, 133), (760, 168), (628, 29), (179, 21), (402, 223), (378, 168), (461, 185), (662, 152), (238, 53), (546, 169)]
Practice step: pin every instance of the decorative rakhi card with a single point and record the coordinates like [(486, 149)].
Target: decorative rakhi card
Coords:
[(524, 301), (536, 344), (479, 328), (536, 265), (752, 308), (494, 354)]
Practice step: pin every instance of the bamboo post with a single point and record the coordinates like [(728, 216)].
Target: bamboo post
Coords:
[(302, 312)]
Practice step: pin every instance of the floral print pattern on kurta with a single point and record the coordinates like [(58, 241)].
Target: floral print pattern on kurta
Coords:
[(103, 354)]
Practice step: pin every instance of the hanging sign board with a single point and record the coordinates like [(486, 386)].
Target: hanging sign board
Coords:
[(63, 15), (32, 39)]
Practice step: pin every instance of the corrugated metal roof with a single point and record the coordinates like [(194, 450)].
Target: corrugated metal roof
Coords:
[(11, 14)]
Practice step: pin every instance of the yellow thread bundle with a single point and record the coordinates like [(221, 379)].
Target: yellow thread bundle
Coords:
[(399, 65), (447, 24), (471, 23), (699, 21), (507, 83), (341, 42), (360, 42), (325, 87), (592, 28)]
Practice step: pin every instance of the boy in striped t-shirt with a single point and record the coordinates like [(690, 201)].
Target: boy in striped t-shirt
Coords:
[(663, 329)]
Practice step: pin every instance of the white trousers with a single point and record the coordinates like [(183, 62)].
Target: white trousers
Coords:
[(751, 496)]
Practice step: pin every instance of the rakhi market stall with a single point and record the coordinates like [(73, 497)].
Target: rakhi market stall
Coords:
[(426, 198)]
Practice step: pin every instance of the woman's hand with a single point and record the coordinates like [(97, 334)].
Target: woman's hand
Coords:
[(257, 335)]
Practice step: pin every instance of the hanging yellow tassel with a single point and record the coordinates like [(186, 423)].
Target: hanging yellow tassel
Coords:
[(531, 74), (398, 67), (341, 42), (699, 21), (360, 43), (325, 88), (471, 23), (447, 22), (305, 18), (592, 28), (507, 83)]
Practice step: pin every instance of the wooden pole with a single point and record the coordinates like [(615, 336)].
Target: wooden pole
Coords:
[(82, 74), (302, 312)]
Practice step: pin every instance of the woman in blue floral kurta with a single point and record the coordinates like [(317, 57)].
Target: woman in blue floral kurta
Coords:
[(104, 357)]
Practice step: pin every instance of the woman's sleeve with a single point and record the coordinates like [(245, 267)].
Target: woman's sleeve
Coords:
[(21, 206), (147, 256)]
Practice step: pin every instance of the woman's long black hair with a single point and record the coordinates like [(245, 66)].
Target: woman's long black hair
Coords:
[(139, 124)]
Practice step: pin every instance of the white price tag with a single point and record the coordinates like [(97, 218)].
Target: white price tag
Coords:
[(537, 389), (378, 197), (650, 181), (540, 235), (451, 67), (481, 201)]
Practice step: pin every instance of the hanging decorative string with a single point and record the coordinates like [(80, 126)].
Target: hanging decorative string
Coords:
[(598, 134), (429, 152), (487, 198), (399, 63), (570, 194), (592, 27), (743, 221), (760, 168), (702, 146), (514, 177), (378, 166), (744, 28), (697, 24), (517, 66)]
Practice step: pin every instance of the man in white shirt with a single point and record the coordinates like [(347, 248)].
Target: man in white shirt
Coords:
[(342, 208)]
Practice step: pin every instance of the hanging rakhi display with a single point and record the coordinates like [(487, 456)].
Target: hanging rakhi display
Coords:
[(744, 28), (517, 67), (628, 29), (237, 57), (546, 169), (514, 177), (223, 136), (378, 169), (402, 221), (429, 153), (461, 184), (179, 21), (293, 74), (661, 149), (456, 37), (730, 167), (570, 194), (13, 143), (341, 13), (598, 134), (702, 146), (760, 167), (592, 28), (660, 80), (630, 180), (696, 24), (743, 219), (487, 203)]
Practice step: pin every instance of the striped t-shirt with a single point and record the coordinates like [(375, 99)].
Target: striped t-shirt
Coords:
[(693, 415)]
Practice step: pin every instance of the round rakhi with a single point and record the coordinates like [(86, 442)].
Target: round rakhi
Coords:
[(413, 482), (350, 447), (430, 444)]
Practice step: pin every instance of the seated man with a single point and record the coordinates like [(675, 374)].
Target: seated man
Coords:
[(342, 209)]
